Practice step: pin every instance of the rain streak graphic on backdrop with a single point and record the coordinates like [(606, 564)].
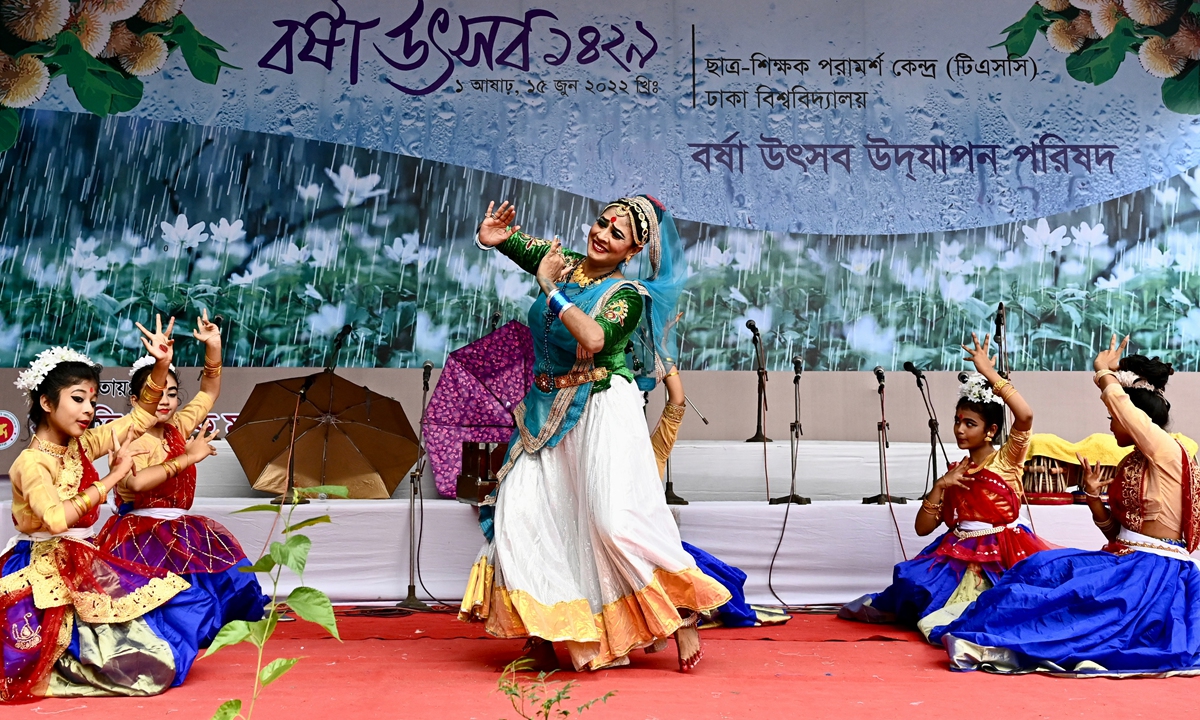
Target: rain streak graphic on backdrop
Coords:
[(288, 240)]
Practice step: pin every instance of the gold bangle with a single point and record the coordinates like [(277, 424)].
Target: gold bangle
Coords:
[(999, 385), (934, 510), (169, 467), (80, 508), (674, 371), (211, 372), (1100, 374), (154, 387)]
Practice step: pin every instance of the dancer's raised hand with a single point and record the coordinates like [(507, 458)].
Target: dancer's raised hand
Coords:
[(159, 343), (497, 226), (955, 477), (1110, 359), (120, 458), (979, 354), (207, 332)]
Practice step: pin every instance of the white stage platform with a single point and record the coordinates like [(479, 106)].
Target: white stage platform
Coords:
[(833, 551)]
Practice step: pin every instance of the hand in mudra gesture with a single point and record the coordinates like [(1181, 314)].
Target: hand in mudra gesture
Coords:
[(1092, 484), (956, 477), (553, 267), (495, 227)]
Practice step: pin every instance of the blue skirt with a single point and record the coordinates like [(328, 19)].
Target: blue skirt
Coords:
[(919, 587), (101, 667), (1084, 613), (736, 612), (235, 595)]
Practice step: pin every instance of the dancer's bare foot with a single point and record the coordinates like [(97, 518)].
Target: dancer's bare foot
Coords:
[(687, 638), (539, 655)]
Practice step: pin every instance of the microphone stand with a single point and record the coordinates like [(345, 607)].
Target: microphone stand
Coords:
[(1002, 361), (290, 496), (884, 496), (411, 602), (935, 436), (795, 431), (759, 435)]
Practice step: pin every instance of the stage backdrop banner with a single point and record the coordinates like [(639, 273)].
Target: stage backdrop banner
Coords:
[(860, 116), (296, 167)]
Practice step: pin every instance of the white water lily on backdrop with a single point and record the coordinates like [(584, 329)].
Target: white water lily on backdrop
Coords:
[(87, 286), (404, 250), (1041, 237), (1087, 236), (255, 271), (327, 321), (225, 232), (292, 254), (353, 190), (861, 260), (867, 338), (309, 193), (1120, 275), (181, 236), (146, 256), (1188, 326), (430, 339), (83, 255)]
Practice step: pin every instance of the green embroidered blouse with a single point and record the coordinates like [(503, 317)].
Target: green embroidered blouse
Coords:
[(618, 318)]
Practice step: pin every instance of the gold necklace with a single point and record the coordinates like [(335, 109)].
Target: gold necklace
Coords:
[(580, 278), (55, 451)]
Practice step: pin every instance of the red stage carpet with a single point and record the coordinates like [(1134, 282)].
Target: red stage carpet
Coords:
[(432, 666)]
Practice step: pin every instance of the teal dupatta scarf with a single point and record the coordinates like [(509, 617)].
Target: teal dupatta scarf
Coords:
[(543, 418)]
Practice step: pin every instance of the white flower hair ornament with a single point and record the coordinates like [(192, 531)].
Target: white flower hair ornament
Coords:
[(31, 379), (1130, 380), (143, 362), (977, 389)]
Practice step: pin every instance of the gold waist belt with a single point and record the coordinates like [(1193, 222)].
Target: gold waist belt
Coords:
[(967, 534), (546, 383)]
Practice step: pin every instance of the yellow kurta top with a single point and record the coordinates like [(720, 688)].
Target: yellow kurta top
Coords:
[(186, 419), (1162, 486), (39, 485)]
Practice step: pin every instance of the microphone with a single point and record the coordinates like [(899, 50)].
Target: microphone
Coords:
[(495, 323), (879, 376), (1000, 320), (752, 327), (426, 371), (962, 377), (914, 369), (798, 366)]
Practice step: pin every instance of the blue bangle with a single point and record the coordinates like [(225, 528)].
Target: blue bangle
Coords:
[(558, 302)]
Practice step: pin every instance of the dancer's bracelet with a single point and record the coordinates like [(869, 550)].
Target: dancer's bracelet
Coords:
[(999, 385), (1100, 375), (1107, 525), (559, 303), (211, 372), (171, 466), (934, 510)]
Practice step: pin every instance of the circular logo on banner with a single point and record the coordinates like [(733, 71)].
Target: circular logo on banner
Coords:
[(10, 429)]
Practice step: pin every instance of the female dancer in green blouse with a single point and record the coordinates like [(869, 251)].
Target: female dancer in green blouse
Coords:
[(585, 551)]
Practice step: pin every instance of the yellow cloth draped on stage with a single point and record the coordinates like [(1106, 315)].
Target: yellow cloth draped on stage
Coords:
[(1098, 448)]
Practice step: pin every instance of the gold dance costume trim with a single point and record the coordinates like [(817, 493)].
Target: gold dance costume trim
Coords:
[(50, 590), (630, 622)]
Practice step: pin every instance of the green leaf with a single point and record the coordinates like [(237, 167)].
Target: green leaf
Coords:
[(262, 630), (307, 523), (264, 564), (234, 632), (1098, 63), (313, 605), (106, 304), (1182, 92), (259, 508), (199, 52), (100, 88), (275, 669), (10, 127), (293, 553), (1023, 32), (228, 710), (333, 490)]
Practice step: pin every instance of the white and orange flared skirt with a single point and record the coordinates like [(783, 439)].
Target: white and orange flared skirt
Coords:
[(586, 552)]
